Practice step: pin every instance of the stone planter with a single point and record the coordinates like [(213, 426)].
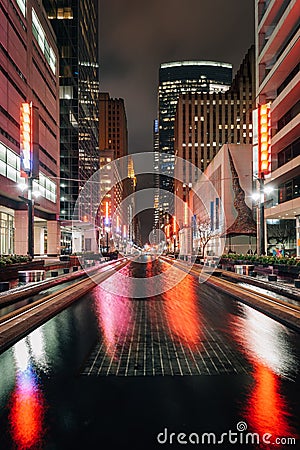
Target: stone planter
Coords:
[(10, 272), (64, 258), (272, 277)]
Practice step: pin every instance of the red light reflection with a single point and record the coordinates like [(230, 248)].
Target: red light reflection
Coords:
[(183, 315), (27, 412), (266, 408), (113, 315)]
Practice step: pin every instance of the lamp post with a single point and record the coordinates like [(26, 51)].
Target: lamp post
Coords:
[(29, 160), (261, 234), (107, 244), (260, 198), (262, 152), (30, 219)]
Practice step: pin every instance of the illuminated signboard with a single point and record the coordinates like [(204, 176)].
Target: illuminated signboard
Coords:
[(106, 220), (167, 231), (255, 142), (174, 225), (264, 140), (26, 139), (186, 214)]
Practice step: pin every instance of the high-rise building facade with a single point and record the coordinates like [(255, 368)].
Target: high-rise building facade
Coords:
[(278, 83), (113, 144), (29, 73), (76, 27), (177, 78), (206, 121), (113, 134)]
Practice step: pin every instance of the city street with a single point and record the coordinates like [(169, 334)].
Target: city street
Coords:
[(149, 224), (120, 372)]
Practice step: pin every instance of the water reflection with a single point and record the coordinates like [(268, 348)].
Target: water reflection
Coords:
[(266, 409), (267, 347), (183, 314), (113, 315), (265, 341), (27, 405)]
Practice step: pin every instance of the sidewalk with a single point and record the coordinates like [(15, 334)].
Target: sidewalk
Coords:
[(282, 286)]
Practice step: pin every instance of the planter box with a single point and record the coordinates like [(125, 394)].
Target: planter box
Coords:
[(10, 272), (64, 258), (272, 277)]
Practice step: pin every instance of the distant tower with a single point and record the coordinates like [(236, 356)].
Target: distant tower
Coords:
[(76, 30), (113, 144), (206, 121), (177, 78)]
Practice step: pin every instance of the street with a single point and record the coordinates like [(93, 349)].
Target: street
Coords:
[(113, 371)]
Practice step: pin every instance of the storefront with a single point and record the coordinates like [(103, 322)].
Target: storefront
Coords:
[(6, 231)]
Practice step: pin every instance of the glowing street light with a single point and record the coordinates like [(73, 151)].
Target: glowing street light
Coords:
[(29, 160)]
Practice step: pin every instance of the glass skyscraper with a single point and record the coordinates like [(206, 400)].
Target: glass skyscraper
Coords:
[(76, 27), (177, 78)]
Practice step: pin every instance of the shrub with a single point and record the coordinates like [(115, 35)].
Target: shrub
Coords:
[(13, 259), (261, 259)]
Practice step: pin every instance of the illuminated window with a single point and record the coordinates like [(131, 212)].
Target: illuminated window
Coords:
[(64, 13), (22, 6), (10, 168), (39, 34), (66, 92)]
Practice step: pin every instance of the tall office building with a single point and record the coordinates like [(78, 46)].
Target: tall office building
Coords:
[(29, 73), (177, 78), (278, 83), (76, 27), (204, 122), (113, 144), (113, 141), (113, 134), (156, 172)]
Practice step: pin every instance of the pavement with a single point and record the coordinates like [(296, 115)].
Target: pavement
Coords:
[(282, 286)]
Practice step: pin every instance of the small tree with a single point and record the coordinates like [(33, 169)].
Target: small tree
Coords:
[(205, 234)]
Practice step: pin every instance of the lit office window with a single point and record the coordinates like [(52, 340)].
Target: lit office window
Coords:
[(10, 168), (39, 34), (66, 92), (64, 13), (22, 6)]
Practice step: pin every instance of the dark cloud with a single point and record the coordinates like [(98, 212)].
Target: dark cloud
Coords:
[(137, 36)]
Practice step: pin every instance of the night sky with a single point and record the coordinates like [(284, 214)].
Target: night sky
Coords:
[(136, 36)]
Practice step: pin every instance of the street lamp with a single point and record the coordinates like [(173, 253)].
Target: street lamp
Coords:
[(262, 164), (107, 245), (260, 198), (262, 241), (29, 161)]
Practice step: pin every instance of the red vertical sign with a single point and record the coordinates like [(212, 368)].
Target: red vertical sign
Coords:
[(264, 140), (26, 139)]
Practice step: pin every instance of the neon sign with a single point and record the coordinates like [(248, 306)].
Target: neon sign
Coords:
[(26, 139), (264, 140)]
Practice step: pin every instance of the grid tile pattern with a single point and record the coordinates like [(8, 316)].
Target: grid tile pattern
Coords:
[(149, 344)]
